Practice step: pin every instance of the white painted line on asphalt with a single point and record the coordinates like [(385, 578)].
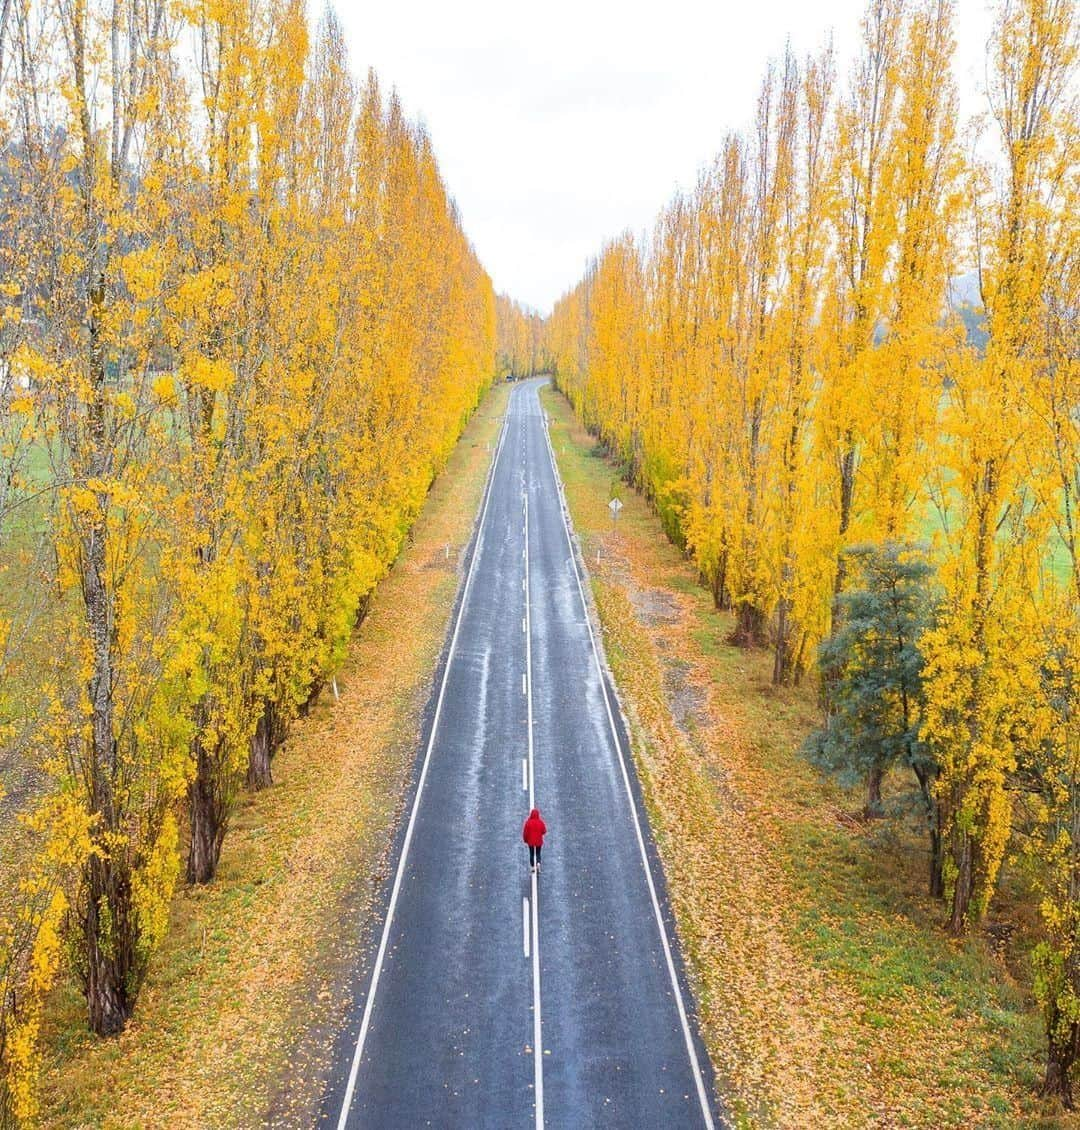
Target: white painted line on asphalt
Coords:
[(538, 1028), (695, 1065), (524, 774), (538, 1035), (523, 690), (380, 956), (526, 923), (527, 676)]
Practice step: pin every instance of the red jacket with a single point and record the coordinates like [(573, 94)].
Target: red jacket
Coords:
[(535, 829)]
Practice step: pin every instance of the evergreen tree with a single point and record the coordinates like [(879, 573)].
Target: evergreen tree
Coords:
[(875, 667)]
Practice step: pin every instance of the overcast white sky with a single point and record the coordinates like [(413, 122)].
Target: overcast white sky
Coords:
[(560, 123)]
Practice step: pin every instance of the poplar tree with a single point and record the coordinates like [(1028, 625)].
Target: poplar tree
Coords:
[(983, 660), (224, 471)]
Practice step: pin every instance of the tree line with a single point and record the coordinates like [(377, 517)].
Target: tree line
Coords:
[(845, 368), (241, 328), (520, 351)]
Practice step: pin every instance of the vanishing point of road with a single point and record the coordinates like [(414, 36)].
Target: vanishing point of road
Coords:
[(497, 998)]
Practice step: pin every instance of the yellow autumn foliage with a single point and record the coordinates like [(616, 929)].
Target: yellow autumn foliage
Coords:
[(858, 329), (253, 329)]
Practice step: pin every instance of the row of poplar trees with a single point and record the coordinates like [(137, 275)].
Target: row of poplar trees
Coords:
[(241, 330), (520, 349), (863, 327)]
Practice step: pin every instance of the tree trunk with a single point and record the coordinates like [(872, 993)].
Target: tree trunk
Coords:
[(874, 809), (749, 626), (109, 929), (312, 699), (107, 962), (721, 600), (1061, 1055), (783, 659), (847, 498), (933, 823), (798, 667), (262, 750), (937, 878), (208, 817), (963, 885)]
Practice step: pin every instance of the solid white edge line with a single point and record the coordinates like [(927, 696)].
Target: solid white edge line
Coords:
[(538, 1050), (381, 955), (699, 1080)]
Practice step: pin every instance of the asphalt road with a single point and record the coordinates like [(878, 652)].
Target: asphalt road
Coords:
[(495, 998)]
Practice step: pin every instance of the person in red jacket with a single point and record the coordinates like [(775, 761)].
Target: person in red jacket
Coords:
[(533, 834)]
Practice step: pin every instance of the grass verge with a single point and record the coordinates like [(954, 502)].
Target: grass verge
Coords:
[(827, 991), (237, 1019)]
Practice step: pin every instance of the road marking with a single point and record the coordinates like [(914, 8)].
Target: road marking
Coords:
[(526, 923), (523, 691), (699, 1080), (524, 774), (380, 957), (538, 1049)]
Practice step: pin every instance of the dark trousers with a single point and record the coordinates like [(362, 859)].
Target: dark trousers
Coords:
[(534, 855)]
